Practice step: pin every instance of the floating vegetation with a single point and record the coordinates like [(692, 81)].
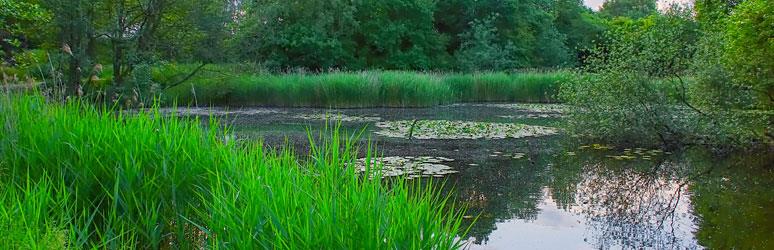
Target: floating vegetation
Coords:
[(517, 155), (531, 116), (622, 157), (512, 156), (525, 107), (637, 153), (337, 117), (217, 111), (411, 167), (448, 130), (596, 146)]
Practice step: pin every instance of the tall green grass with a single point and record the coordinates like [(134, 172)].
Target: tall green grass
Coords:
[(221, 86), (503, 87), (76, 176)]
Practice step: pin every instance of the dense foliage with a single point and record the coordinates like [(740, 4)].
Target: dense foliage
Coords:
[(20, 22), (628, 8), (107, 49), (671, 79), (395, 34), (750, 47)]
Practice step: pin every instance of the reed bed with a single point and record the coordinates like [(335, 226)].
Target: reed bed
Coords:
[(223, 87), (78, 176)]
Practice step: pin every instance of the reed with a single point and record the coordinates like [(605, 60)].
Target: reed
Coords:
[(78, 176), (359, 89)]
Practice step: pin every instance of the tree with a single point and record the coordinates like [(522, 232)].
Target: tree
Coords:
[(710, 12), (628, 8), (399, 34), (624, 93), (527, 25), (583, 29), (19, 19), (196, 31), (74, 22), (750, 48), (128, 29), (310, 34), (480, 50)]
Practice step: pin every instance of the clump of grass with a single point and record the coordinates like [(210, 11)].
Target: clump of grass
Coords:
[(364, 89), (75, 175), (502, 87), (361, 89)]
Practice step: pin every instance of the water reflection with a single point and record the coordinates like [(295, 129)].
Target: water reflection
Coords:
[(589, 199), (498, 192), (689, 200), (636, 207), (735, 202), (560, 195)]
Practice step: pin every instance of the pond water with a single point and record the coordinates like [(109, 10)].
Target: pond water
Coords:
[(529, 186)]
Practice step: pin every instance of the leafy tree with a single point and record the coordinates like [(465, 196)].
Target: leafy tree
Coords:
[(750, 47), (628, 8), (399, 34), (583, 29), (194, 31), (480, 50), (624, 93), (527, 25), (19, 20), (124, 31), (730, 69), (75, 23), (711, 12), (310, 34)]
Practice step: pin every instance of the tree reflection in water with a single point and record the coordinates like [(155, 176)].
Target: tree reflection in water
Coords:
[(735, 202), (619, 204), (497, 192), (637, 207)]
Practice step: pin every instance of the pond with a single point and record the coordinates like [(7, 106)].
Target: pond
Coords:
[(530, 186)]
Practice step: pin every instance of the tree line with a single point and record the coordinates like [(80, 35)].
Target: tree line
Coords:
[(311, 34)]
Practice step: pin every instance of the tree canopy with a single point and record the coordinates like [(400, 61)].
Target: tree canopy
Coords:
[(314, 35)]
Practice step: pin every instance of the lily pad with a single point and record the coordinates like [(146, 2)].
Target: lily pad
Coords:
[(411, 167), (217, 111), (450, 130), (337, 117), (524, 107)]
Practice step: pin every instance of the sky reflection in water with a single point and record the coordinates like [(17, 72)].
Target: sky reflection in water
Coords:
[(559, 194)]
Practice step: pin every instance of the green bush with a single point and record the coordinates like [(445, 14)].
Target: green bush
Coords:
[(626, 93)]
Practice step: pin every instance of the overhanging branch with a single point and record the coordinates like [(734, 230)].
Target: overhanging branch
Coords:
[(187, 77)]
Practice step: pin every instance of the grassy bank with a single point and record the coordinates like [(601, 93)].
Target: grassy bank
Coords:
[(75, 176), (218, 85)]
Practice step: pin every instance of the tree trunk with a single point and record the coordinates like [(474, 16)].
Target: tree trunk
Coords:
[(74, 72), (7, 48), (117, 42)]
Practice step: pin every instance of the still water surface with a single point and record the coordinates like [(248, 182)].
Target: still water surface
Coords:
[(552, 191)]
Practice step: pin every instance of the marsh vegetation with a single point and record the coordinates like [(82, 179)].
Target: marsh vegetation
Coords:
[(396, 124)]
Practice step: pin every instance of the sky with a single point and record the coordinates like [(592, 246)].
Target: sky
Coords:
[(595, 4)]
